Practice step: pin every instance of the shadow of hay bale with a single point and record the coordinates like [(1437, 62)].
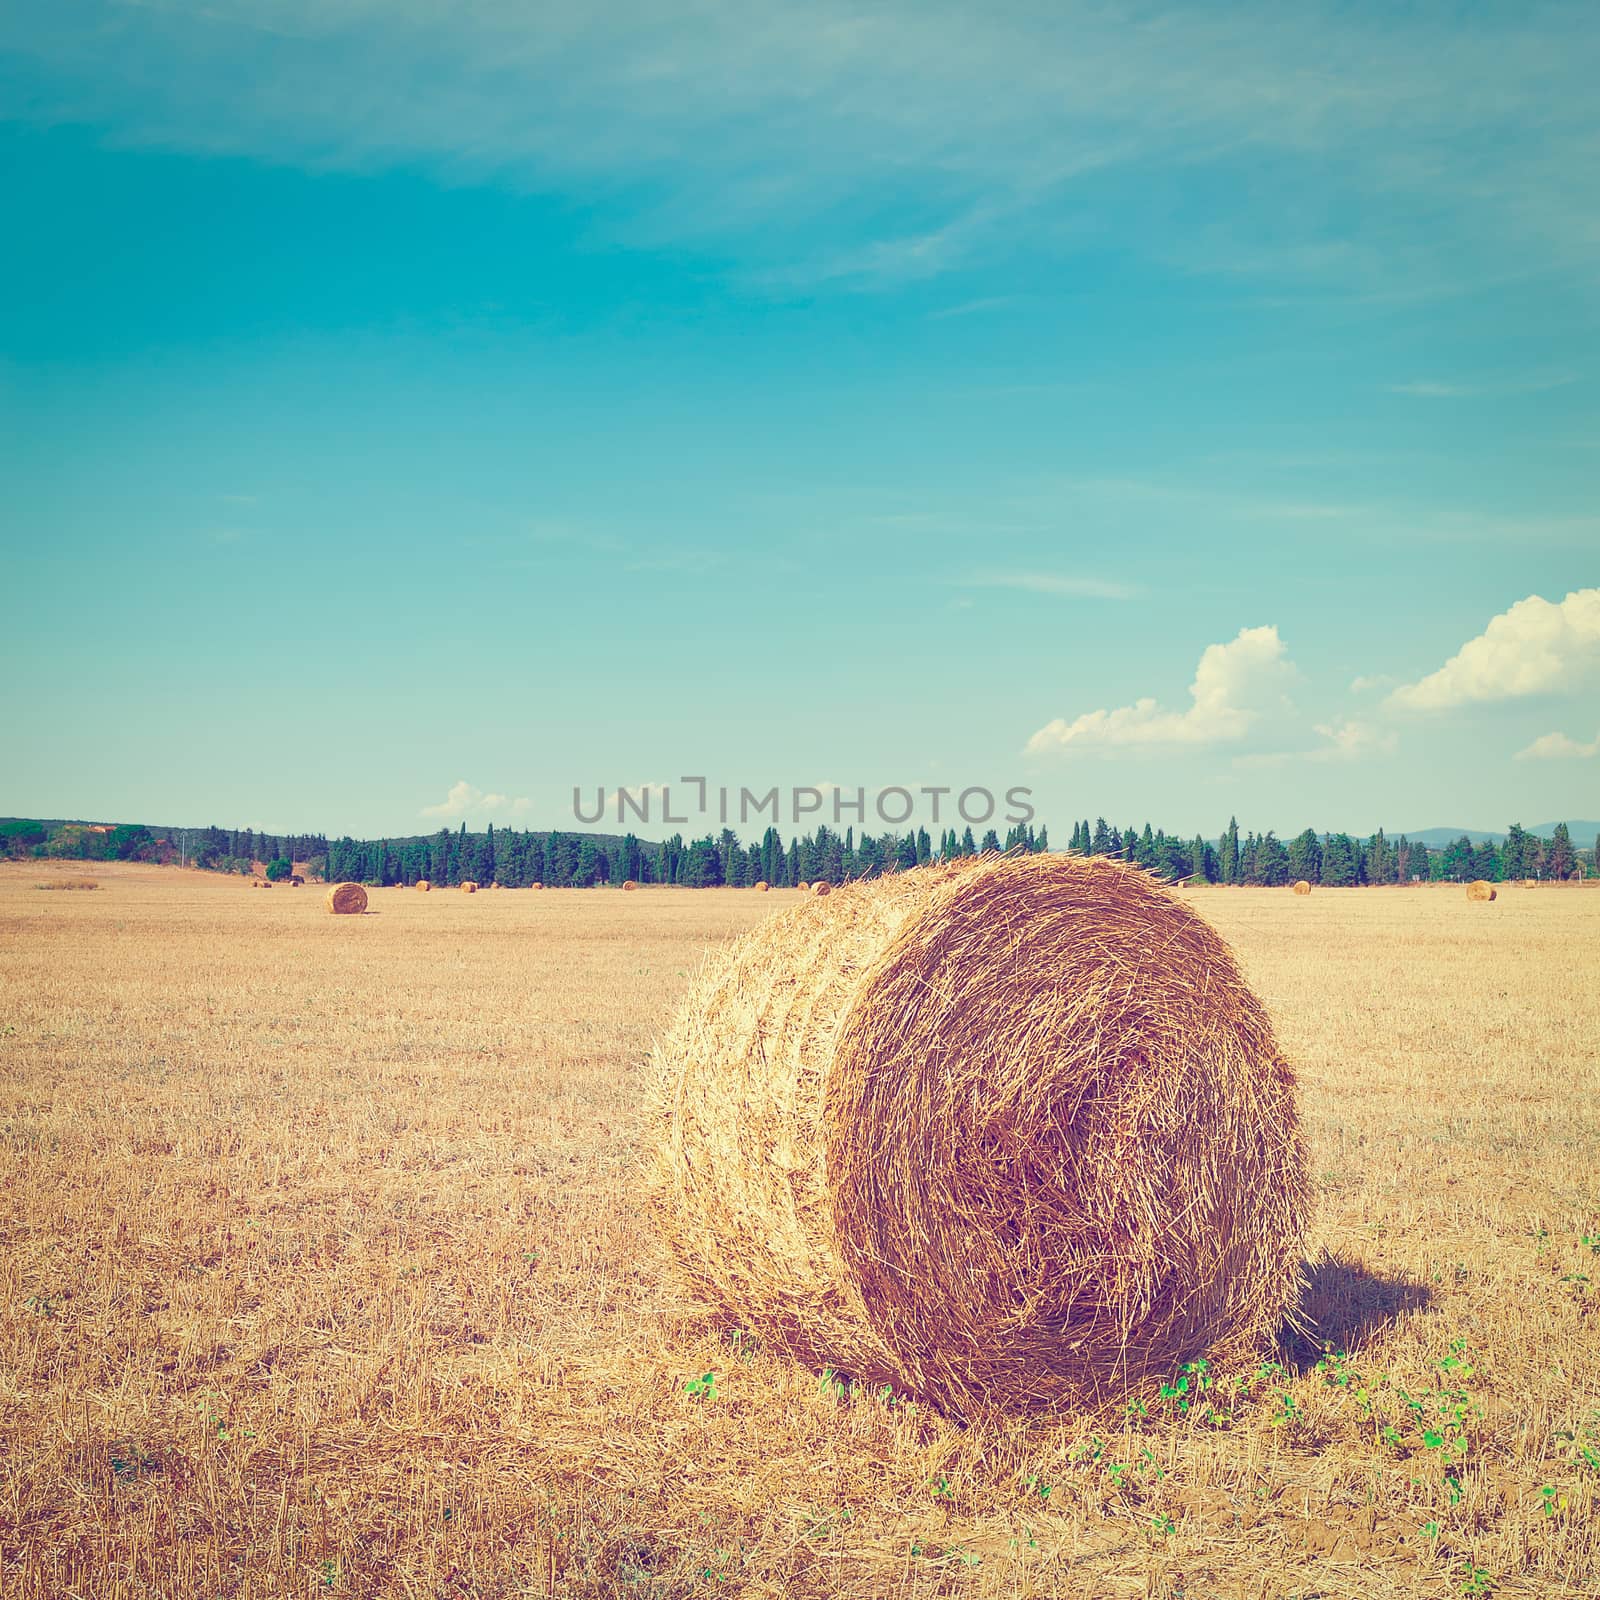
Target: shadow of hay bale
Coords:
[(1345, 1305)]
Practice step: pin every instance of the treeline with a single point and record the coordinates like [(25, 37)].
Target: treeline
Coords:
[(562, 860), (1337, 860), (579, 860), (216, 849)]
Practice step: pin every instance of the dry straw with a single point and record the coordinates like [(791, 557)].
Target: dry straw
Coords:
[(346, 899), (469, 886), (1302, 887), (1014, 1134), (1480, 889)]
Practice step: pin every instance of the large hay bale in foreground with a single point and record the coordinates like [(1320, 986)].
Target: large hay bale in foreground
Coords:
[(346, 899), (1011, 1133), (1480, 889), (1302, 887)]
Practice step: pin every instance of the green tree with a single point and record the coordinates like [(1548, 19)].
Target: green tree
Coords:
[(1559, 857), (1305, 857), (278, 869)]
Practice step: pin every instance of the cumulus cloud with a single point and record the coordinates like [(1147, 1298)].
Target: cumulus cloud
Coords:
[(467, 800), (1558, 747), (1235, 685), (1535, 646)]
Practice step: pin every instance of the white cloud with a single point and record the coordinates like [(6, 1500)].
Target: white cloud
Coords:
[(1367, 682), (1350, 740), (466, 800), (1057, 583), (1532, 648), (1235, 686), (1558, 747)]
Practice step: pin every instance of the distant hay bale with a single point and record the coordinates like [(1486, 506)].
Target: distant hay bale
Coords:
[(804, 886), (296, 883), (1302, 887), (424, 885), (469, 886), (1530, 883), (1480, 889), (821, 887), (1012, 1133), (346, 899), (628, 883), (761, 886), (536, 885)]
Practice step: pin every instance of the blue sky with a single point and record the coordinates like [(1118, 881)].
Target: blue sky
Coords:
[(411, 414)]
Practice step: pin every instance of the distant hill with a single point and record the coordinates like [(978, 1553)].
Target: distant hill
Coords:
[(1583, 834)]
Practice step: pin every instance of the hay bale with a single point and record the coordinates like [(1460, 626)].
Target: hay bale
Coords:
[(821, 887), (761, 886), (1010, 1133), (1302, 887), (628, 883), (536, 885), (1480, 889), (1530, 883), (424, 885), (804, 886), (469, 886), (346, 899)]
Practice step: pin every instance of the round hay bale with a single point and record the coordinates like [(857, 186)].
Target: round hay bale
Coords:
[(346, 899), (821, 887), (1480, 889), (1530, 883), (761, 886), (424, 885), (1302, 887), (469, 886), (628, 883), (804, 886), (536, 885), (1011, 1133)]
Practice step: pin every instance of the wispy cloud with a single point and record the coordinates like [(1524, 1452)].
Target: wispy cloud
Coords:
[(467, 802), (1067, 585), (1432, 389), (965, 130), (969, 308)]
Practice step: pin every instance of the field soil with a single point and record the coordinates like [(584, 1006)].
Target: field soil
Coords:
[(324, 1271)]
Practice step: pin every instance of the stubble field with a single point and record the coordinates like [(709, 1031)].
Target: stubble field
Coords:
[(323, 1271)]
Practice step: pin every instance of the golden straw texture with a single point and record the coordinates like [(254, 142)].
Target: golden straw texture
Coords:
[(346, 899), (1007, 1134)]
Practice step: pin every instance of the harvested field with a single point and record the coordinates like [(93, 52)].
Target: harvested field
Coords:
[(325, 1273)]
